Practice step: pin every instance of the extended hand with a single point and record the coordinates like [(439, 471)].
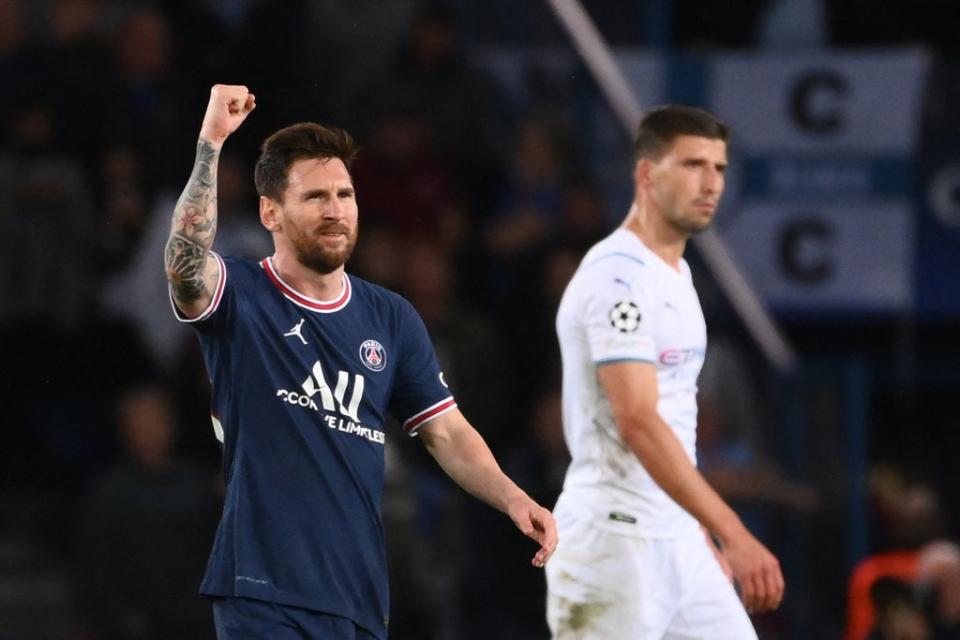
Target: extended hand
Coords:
[(229, 106), (537, 523)]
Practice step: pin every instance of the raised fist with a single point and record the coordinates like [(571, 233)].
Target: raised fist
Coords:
[(229, 106)]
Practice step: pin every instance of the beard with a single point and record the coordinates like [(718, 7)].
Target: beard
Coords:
[(693, 227), (314, 256), (691, 223)]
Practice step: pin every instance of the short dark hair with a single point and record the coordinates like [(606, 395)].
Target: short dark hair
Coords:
[(662, 125), (296, 142)]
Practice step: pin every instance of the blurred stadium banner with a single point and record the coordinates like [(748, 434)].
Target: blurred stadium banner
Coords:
[(826, 188), (615, 85), (826, 204), (938, 230)]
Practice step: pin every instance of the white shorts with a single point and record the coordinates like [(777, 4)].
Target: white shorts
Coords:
[(605, 586)]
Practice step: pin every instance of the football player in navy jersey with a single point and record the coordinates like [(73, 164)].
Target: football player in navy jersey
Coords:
[(306, 362)]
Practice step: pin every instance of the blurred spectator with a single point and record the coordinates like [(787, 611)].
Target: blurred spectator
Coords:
[(52, 65), (12, 28), (46, 224), (730, 448), (458, 103), (543, 452), (472, 357), (913, 594), (423, 602), (531, 282), (145, 531), (908, 534), (742, 475), (899, 613), (240, 232), (863, 598), (13, 36), (470, 351), (147, 98), (538, 203), (534, 193), (379, 257), (583, 216), (503, 598), (139, 294), (527, 319), (938, 577), (729, 388), (403, 185), (79, 44), (907, 513), (124, 199)]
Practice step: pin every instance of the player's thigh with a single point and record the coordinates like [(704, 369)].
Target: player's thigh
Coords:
[(597, 585), (249, 619), (710, 608)]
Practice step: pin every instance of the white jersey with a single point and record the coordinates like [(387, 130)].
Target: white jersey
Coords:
[(625, 303)]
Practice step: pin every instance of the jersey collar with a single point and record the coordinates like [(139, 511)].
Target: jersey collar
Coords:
[(301, 300), (649, 255)]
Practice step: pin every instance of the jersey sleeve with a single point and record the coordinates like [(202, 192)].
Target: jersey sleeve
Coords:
[(618, 319), (420, 393), (215, 313)]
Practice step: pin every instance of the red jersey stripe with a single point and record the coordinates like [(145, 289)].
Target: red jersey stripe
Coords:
[(430, 412), (298, 298)]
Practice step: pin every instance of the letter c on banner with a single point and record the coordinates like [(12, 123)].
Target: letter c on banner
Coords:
[(814, 101), (802, 250), (943, 194)]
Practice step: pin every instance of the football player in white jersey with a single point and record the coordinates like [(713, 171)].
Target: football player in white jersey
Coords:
[(636, 517)]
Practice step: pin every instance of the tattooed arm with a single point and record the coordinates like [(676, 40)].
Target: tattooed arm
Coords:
[(192, 274)]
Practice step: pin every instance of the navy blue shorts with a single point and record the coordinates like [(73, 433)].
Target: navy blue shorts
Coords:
[(249, 619)]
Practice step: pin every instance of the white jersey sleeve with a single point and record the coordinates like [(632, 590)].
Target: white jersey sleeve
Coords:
[(617, 319)]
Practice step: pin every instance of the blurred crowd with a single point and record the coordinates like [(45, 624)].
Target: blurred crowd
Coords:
[(475, 208), (476, 213)]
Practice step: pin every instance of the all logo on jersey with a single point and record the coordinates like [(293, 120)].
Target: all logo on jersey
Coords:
[(373, 355), (334, 400), (625, 317)]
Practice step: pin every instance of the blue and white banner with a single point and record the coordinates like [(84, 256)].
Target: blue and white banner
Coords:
[(825, 103), (839, 257), (822, 193), (938, 230)]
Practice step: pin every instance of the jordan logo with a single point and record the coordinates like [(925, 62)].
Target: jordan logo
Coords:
[(295, 331)]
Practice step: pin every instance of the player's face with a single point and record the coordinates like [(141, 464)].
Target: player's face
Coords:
[(685, 185), (318, 215)]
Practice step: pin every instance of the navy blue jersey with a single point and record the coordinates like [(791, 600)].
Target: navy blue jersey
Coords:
[(301, 390)]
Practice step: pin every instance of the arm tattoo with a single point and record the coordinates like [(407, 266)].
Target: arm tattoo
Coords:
[(185, 260), (194, 225)]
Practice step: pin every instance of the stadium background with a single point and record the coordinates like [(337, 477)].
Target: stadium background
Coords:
[(491, 161)]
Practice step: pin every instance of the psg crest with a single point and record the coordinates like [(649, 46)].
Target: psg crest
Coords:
[(373, 355)]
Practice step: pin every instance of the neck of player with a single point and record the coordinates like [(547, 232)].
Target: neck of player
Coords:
[(319, 286), (666, 241)]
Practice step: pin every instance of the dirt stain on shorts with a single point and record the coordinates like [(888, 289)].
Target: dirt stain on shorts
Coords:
[(581, 614)]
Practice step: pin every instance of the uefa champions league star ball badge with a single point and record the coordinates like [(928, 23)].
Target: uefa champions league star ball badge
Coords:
[(625, 317)]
